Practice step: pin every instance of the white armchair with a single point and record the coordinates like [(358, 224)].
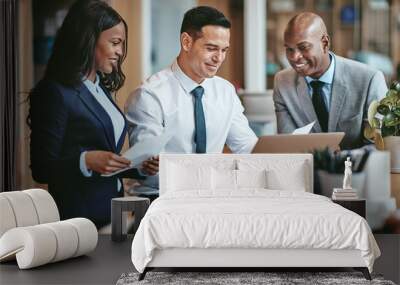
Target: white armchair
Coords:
[(31, 230)]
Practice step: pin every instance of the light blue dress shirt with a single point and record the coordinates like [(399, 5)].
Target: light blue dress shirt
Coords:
[(116, 117), (166, 97), (327, 78)]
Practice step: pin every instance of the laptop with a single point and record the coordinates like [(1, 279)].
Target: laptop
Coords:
[(289, 143)]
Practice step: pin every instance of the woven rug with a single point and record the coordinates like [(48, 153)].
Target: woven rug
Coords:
[(243, 278)]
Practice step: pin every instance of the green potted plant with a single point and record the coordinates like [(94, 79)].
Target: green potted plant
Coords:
[(384, 124)]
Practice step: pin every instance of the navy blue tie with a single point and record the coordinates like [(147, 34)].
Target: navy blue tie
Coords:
[(319, 104), (200, 136)]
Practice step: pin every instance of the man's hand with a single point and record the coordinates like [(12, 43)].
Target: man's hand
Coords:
[(150, 166), (105, 162)]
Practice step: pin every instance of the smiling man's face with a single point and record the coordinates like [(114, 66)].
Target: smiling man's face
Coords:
[(206, 53), (307, 51)]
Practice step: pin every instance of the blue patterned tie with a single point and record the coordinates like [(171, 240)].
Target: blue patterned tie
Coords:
[(200, 137)]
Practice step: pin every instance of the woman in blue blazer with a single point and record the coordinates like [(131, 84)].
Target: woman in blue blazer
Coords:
[(77, 130)]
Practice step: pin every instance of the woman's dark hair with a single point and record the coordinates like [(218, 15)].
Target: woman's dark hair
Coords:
[(196, 18), (75, 43)]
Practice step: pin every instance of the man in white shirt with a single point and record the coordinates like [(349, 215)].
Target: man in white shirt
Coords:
[(204, 109)]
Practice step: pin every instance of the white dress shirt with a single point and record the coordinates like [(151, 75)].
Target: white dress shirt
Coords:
[(166, 95)]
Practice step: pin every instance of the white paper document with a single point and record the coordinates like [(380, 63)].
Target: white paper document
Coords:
[(304, 130), (147, 147), (143, 150)]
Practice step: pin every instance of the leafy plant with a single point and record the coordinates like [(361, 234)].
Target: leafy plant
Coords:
[(384, 116)]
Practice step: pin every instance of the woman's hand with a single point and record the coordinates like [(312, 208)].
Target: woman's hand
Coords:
[(150, 166), (105, 162)]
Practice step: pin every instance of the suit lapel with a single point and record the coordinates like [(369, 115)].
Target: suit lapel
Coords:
[(306, 105), (339, 91), (99, 112), (122, 137)]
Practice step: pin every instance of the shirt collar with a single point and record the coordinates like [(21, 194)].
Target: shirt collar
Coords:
[(186, 82), (90, 84), (327, 77)]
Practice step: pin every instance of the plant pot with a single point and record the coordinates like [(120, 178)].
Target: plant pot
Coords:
[(392, 144), (328, 181)]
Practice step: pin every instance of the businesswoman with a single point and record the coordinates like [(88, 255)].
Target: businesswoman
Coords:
[(77, 130)]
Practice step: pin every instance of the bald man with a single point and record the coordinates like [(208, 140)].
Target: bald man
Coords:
[(321, 86)]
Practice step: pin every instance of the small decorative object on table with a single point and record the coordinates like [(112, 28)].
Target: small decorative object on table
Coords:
[(347, 192), (347, 174), (347, 196), (329, 168)]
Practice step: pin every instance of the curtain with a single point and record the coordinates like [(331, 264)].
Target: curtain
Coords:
[(8, 93)]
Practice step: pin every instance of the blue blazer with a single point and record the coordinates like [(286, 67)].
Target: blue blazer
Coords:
[(66, 121)]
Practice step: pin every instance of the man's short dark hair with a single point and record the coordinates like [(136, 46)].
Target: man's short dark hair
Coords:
[(196, 18)]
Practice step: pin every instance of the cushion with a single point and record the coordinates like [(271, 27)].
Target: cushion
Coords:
[(40, 244), (280, 174), (293, 180), (26, 208), (251, 178), (66, 237), (7, 220), (45, 205), (223, 179), (87, 233), (31, 232), (23, 208), (173, 166), (182, 177)]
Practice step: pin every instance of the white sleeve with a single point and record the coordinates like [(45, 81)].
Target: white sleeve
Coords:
[(144, 115), (241, 138), (82, 165)]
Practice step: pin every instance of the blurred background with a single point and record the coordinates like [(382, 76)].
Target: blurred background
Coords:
[(365, 30)]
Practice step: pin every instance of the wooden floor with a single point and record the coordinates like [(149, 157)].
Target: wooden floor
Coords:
[(106, 264)]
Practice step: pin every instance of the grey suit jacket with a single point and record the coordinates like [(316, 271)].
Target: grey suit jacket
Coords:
[(355, 85)]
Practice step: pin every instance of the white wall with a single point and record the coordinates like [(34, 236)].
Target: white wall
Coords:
[(166, 20)]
